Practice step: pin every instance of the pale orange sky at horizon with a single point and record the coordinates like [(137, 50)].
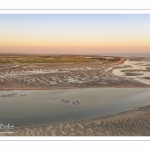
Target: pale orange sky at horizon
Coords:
[(75, 50), (73, 34)]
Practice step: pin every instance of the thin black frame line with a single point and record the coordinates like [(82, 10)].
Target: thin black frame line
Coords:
[(75, 9)]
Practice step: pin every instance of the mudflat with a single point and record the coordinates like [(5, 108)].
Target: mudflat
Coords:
[(97, 72)]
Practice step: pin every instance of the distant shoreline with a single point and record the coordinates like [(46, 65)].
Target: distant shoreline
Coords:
[(73, 54)]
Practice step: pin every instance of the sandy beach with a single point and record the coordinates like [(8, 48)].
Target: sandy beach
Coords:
[(74, 74), (64, 99), (131, 123), (57, 112)]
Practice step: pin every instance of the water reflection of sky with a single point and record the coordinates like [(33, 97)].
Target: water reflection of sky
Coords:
[(135, 70)]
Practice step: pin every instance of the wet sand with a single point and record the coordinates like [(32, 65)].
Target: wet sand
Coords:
[(33, 107), (122, 122), (134, 70), (64, 76), (131, 123)]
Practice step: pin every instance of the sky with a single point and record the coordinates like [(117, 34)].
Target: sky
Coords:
[(75, 33)]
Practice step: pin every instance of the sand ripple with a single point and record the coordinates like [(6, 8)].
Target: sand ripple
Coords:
[(131, 123)]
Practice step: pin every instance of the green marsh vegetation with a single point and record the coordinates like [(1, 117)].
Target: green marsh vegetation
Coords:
[(54, 59)]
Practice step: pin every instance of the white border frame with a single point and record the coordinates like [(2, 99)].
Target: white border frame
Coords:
[(75, 11)]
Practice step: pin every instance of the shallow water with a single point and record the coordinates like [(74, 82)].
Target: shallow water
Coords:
[(45, 106), (135, 70)]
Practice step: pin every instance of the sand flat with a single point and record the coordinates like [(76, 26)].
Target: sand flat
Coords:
[(130, 123)]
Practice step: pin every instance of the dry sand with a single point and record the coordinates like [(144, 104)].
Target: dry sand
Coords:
[(121, 61), (132, 123), (129, 123)]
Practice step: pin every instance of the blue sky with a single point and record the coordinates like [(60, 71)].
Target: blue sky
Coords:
[(94, 32)]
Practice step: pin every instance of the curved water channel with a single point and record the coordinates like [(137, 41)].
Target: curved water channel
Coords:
[(45, 106)]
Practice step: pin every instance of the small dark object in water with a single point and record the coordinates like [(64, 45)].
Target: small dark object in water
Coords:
[(69, 101), (76, 103), (65, 101)]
